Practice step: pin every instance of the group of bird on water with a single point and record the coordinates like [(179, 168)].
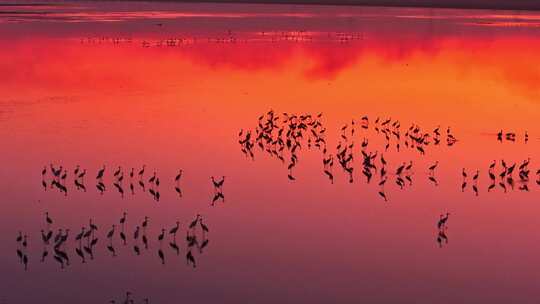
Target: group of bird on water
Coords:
[(57, 243), (504, 178), (59, 176), (283, 136)]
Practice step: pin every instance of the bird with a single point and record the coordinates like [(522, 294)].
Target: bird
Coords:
[(463, 173), (442, 220), (145, 222), (161, 235), (475, 177), (141, 172), (44, 171), (117, 172), (511, 169), (174, 230), (400, 169), (194, 222), (19, 237), (132, 172), (218, 184), (48, 219), (153, 178), (123, 219), (177, 178), (110, 234), (100, 173), (79, 236), (434, 166)]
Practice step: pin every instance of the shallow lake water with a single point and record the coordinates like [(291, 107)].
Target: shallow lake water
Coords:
[(304, 213)]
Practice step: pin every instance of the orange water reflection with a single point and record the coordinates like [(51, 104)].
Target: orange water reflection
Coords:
[(100, 102)]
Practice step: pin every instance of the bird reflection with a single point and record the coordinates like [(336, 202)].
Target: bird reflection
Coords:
[(161, 256), (111, 249), (178, 190), (141, 184), (137, 250), (79, 185), (80, 254), (190, 259), (120, 189), (101, 187), (44, 254), (442, 237), (433, 180), (174, 246), (218, 196)]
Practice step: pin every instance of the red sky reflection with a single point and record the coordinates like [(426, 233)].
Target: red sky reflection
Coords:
[(70, 95)]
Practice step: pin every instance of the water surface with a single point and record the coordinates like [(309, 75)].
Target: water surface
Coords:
[(170, 86)]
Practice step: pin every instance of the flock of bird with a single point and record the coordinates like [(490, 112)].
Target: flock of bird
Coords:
[(503, 176), (58, 177), (510, 136), (283, 136), (57, 243)]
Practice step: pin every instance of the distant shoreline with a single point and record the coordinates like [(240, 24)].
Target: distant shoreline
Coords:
[(517, 5)]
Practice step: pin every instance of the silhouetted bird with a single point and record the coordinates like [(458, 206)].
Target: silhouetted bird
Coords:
[(174, 230), (48, 219), (177, 178), (101, 173)]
